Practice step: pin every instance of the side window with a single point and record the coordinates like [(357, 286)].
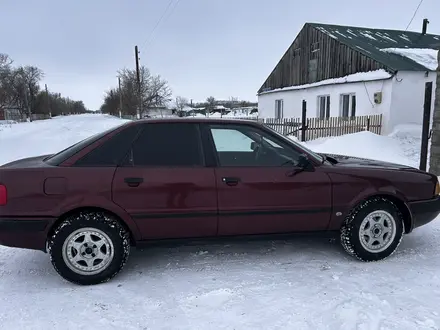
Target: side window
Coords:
[(231, 140), (168, 145), (112, 151), (245, 146)]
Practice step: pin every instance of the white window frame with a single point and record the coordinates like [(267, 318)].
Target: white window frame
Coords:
[(279, 109), (327, 106), (350, 105)]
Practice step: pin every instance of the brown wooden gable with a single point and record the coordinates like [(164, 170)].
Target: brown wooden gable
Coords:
[(314, 56)]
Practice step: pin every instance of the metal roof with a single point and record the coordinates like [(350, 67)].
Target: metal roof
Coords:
[(370, 42)]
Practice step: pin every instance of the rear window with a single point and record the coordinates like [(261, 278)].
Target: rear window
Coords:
[(65, 154), (111, 151)]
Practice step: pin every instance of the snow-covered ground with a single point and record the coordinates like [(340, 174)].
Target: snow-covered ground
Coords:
[(49, 136), (299, 283)]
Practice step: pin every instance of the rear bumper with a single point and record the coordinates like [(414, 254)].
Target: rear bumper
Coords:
[(424, 212), (27, 233)]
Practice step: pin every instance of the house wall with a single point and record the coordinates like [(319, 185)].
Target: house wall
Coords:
[(292, 100), (402, 99), (408, 97)]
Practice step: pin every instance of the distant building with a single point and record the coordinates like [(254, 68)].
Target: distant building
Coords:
[(10, 114), (159, 112), (344, 71)]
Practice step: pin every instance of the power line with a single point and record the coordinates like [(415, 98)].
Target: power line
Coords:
[(415, 13), (151, 36)]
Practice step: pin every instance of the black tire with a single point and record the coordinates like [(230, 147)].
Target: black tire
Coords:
[(350, 230), (108, 228)]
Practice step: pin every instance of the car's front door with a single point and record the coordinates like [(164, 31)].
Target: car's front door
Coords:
[(164, 185), (260, 186)]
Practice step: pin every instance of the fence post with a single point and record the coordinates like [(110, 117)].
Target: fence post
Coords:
[(304, 121), (368, 123), (425, 130)]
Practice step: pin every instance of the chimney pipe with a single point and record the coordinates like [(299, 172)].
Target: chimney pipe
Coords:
[(425, 26)]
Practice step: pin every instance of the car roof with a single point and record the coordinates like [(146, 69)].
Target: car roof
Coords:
[(215, 120)]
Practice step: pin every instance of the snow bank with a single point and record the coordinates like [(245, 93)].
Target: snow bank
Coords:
[(50, 136), (356, 77), (402, 146), (422, 56), (362, 144)]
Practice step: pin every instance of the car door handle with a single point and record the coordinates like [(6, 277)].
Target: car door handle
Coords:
[(231, 181), (133, 182)]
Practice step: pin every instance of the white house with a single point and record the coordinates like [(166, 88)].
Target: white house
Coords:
[(353, 71)]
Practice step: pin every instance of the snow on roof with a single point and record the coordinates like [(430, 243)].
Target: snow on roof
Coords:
[(187, 108), (422, 56), (356, 77), (368, 35)]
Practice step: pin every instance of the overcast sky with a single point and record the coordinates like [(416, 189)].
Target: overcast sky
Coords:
[(202, 47)]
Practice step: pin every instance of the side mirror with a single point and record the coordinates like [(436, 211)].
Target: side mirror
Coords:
[(254, 145), (303, 165), (303, 161)]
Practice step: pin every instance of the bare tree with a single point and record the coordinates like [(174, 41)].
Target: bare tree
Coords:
[(5, 75), (111, 102), (181, 103), (155, 91), (210, 105), (24, 84), (233, 102), (434, 162)]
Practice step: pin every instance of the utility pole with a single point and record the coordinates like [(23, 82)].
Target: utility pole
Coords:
[(139, 110), (120, 97), (48, 101)]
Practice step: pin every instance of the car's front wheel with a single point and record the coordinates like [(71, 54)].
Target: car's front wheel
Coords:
[(373, 230), (89, 248)]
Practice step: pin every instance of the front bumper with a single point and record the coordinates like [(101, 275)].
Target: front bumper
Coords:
[(424, 211), (27, 233)]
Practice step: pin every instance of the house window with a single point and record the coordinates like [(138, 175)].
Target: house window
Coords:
[(348, 105), (314, 50), (279, 109), (313, 70), (323, 106)]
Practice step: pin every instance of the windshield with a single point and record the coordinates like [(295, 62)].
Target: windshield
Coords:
[(316, 156), (61, 156)]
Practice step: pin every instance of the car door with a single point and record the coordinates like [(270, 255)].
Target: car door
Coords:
[(164, 185), (261, 188)]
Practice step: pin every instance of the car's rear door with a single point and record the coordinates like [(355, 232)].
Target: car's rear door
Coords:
[(259, 190), (164, 184)]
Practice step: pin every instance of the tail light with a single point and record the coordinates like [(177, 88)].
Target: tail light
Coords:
[(437, 189), (3, 195)]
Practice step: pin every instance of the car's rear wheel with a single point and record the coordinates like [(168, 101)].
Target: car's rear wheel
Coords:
[(89, 248), (373, 230)]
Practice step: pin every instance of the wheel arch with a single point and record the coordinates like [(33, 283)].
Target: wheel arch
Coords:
[(61, 218), (401, 205)]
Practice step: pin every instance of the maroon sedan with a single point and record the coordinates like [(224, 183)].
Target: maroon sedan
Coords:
[(182, 178)]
